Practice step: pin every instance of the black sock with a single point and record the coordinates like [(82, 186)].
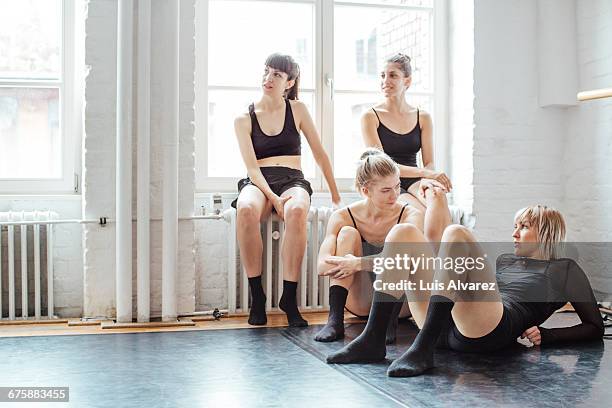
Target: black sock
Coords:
[(419, 357), (393, 321), (334, 329), (369, 346), (257, 314), (288, 305)]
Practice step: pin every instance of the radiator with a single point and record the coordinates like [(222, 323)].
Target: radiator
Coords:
[(20, 235), (312, 292)]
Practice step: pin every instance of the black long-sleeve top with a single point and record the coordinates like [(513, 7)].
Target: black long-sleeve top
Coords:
[(533, 289)]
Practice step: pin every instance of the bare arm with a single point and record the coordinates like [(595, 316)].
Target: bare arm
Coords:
[(427, 152), (328, 246), (311, 134), (427, 146), (341, 266)]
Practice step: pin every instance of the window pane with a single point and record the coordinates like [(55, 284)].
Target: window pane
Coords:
[(348, 143), (413, 3), (224, 159), (360, 49), (30, 38), (241, 34), (29, 133)]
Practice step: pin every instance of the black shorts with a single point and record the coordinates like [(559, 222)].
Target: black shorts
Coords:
[(501, 337), (280, 179), (406, 182)]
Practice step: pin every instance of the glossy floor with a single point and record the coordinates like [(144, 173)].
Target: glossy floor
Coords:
[(284, 367), (578, 376)]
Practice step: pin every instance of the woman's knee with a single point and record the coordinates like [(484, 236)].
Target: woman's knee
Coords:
[(247, 214), (296, 214), (456, 232), (348, 234), (404, 232)]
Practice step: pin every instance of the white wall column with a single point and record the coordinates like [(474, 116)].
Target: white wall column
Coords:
[(557, 55), (170, 165), (143, 280), (124, 162)]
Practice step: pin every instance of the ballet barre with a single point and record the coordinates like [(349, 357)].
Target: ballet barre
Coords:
[(595, 94)]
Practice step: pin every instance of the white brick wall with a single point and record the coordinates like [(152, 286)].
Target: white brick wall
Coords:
[(517, 145), (520, 153), (588, 148), (461, 102), (99, 157)]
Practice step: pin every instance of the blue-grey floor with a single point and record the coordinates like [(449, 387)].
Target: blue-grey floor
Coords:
[(579, 375), (221, 368), (284, 367)]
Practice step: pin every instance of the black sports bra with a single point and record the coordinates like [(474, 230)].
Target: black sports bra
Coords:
[(402, 149), (355, 224), (286, 143)]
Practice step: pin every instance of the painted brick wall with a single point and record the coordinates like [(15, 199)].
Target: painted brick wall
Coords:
[(586, 161), (517, 145), (99, 156)]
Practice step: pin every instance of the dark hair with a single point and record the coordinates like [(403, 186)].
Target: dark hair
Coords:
[(403, 61), (286, 64)]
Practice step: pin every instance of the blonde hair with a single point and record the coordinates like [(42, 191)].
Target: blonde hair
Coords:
[(550, 227), (373, 163)]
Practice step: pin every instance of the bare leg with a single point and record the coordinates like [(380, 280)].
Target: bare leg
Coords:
[(292, 251), (437, 216), (252, 207), (473, 318), (415, 201), (370, 345), (347, 242)]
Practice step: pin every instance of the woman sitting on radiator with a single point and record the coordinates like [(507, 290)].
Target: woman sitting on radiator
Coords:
[(402, 131), (359, 230), (270, 145)]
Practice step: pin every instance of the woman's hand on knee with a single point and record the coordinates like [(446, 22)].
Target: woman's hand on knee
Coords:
[(442, 178), (279, 205), (433, 186), (343, 266)]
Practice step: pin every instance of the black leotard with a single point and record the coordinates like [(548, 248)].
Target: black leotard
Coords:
[(402, 149), (286, 143)]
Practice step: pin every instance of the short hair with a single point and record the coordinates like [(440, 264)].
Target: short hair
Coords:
[(550, 227)]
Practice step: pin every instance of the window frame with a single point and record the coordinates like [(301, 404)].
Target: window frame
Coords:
[(70, 118), (323, 88)]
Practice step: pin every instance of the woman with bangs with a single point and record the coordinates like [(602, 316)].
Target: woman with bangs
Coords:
[(270, 145), (530, 285)]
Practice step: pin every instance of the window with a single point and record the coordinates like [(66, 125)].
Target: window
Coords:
[(339, 46), (36, 96)]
